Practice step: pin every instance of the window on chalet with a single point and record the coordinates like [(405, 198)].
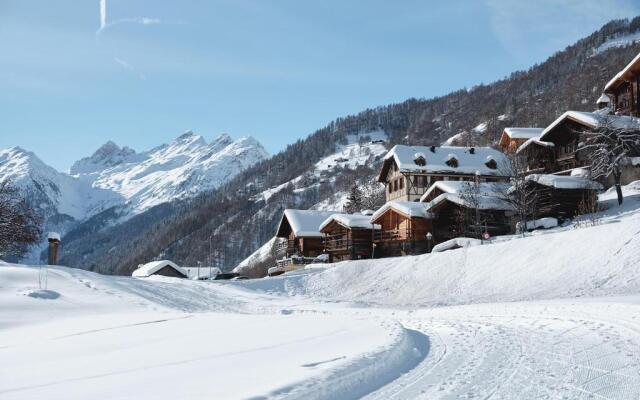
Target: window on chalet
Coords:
[(401, 183), (395, 185), (420, 160), (452, 161), (491, 163), (425, 181), (390, 187)]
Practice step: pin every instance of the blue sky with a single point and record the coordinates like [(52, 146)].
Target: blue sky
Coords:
[(276, 70)]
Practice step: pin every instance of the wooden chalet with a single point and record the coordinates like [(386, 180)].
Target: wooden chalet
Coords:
[(452, 211), (512, 138), (348, 236), (624, 88), (565, 134), (560, 197), (408, 171), (538, 156), (300, 239), (403, 229)]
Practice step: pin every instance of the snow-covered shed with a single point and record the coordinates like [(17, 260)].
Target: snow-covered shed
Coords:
[(513, 137), (407, 171), (404, 225), (348, 236), (299, 233), (563, 197), (455, 243), (162, 267)]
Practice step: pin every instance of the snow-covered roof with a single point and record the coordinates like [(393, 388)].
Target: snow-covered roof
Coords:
[(350, 221), (409, 208), (564, 182), (603, 99), (593, 120), (522, 133), (484, 202), (486, 188), (455, 243), (534, 140), (469, 161), (620, 76), (304, 223), (152, 267), (53, 236)]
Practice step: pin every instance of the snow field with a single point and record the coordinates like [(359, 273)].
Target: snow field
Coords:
[(124, 337)]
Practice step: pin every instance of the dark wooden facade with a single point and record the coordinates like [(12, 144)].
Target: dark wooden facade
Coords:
[(623, 90), (562, 204), (400, 234), (449, 222), (565, 136), (169, 271), (347, 243)]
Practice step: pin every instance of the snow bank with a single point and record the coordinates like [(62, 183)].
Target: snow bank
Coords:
[(545, 223), (455, 243), (151, 268), (564, 182)]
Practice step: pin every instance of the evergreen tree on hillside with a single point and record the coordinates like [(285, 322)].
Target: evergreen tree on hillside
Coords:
[(354, 200)]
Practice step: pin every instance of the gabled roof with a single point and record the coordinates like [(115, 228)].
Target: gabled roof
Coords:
[(410, 209), (152, 267), (454, 187), (564, 182), (469, 161), (303, 223), (484, 202), (534, 141), (620, 77), (592, 120), (350, 221), (522, 133)]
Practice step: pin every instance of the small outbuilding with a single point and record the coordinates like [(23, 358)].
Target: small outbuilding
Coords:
[(512, 138), (162, 267), (560, 196)]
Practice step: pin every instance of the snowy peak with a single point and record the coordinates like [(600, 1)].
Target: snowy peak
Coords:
[(107, 156)]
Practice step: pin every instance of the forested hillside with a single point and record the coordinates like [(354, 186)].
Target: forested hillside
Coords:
[(239, 221)]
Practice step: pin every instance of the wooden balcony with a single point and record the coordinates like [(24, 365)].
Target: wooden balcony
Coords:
[(286, 248)]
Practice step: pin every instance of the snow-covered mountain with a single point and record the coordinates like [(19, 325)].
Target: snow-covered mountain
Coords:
[(134, 182), (180, 169)]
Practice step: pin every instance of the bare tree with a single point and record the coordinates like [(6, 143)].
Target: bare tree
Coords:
[(607, 149), (520, 194), (20, 226), (470, 216)]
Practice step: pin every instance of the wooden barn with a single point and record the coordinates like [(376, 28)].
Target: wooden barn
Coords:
[(348, 236), (408, 171), (403, 229), (454, 215), (560, 197), (300, 237), (624, 90), (512, 138), (162, 267)]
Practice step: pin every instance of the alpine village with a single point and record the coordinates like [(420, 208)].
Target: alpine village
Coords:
[(440, 198)]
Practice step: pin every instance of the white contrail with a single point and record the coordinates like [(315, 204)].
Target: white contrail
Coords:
[(136, 20), (103, 14)]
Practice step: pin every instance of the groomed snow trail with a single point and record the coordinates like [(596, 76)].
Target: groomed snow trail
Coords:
[(561, 350)]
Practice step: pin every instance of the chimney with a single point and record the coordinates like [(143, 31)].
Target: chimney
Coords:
[(54, 244)]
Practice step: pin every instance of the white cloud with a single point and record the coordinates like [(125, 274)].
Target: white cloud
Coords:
[(546, 26)]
